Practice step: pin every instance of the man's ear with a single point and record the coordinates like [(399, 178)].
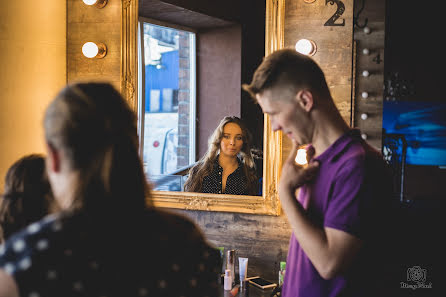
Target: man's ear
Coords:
[(53, 158), (305, 100)]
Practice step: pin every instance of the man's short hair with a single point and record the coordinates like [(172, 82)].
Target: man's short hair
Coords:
[(290, 68)]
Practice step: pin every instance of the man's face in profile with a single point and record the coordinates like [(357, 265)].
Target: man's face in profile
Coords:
[(285, 113)]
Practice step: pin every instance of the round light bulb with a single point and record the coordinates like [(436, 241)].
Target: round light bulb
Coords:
[(365, 73), (90, 2), (364, 136), (365, 51), (364, 95), (97, 3), (90, 49), (301, 157), (364, 116), (306, 47), (366, 30)]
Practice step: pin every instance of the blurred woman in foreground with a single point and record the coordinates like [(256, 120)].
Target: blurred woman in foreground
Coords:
[(107, 241)]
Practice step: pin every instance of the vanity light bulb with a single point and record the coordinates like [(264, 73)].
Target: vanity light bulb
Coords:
[(97, 3), (366, 30), (364, 136), (365, 51), (301, 157), (365, 73), (93, 50), (90, 49), (365, 95), (364, 116), (306, 47)]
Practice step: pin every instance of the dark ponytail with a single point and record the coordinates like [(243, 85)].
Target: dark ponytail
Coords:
[(97, 130)]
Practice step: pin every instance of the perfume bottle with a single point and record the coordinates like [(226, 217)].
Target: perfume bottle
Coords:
[(228, 280), (230, 263)]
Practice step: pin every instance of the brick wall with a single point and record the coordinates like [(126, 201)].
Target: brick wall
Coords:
[(183, 101)]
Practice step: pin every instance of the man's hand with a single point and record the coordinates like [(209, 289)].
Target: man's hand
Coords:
[(294, 175)]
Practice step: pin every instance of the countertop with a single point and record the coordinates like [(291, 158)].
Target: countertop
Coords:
[(250, 291)]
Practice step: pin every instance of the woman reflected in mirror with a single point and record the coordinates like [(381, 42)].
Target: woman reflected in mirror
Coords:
[(228, 166)]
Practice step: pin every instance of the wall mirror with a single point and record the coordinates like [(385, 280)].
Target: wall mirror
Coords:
[(132, 88)]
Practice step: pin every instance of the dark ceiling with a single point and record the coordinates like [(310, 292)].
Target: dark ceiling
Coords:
[(175, 14)]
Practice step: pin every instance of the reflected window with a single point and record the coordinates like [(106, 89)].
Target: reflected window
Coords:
[(167, 102)]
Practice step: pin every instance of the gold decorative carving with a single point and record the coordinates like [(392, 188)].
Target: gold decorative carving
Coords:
[(126, 3), (272, 159), (198, 203), (129, 52), (130, 91)]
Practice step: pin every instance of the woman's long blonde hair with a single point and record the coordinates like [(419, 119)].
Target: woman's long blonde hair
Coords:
[(205, 166)]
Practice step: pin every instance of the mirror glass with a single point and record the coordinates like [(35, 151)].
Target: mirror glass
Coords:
[(191, 67), (168, 100)]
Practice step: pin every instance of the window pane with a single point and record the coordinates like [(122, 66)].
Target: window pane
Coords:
[(169, 109)]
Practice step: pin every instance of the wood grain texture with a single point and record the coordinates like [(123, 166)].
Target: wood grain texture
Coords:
[(374, 11), (88, 23), (262, 239), (334, 44), (334, 48)]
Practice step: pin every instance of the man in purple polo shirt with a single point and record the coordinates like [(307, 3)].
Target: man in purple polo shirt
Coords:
[(339, 217)]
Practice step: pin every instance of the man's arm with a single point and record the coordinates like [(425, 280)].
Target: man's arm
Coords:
[(330, 250), (8, 287)]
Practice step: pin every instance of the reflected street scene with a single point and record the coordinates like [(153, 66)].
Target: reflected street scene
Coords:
[(169, 104)]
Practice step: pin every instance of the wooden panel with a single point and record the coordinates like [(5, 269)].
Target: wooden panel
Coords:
[(262, 239), (88, 23), (334, 48), (374, 11), (334, 43)]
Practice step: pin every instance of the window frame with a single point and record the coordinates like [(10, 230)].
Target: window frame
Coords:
[(192, 82)]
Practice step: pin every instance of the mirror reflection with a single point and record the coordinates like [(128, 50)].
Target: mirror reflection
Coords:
[(228, 166), (168, 99), (191, 67)]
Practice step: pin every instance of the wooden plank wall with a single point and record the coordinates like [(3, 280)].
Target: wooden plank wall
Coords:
[(88, 23), (262, 239), (373, 62)]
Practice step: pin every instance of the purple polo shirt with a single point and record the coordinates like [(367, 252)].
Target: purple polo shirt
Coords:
[(343, 196)]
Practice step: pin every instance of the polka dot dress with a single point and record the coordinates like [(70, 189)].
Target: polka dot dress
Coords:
[(164, 255)]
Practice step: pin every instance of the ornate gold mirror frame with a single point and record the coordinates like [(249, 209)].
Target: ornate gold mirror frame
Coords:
[(272, 156)]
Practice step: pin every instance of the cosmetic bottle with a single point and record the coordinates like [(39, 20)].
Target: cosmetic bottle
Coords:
[(230, 263), (228, 280), (223, 264), (243, 270), (282, 272)]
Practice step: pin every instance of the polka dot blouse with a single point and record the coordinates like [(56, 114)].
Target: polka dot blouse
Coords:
[(236, 183), (156, 254)]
